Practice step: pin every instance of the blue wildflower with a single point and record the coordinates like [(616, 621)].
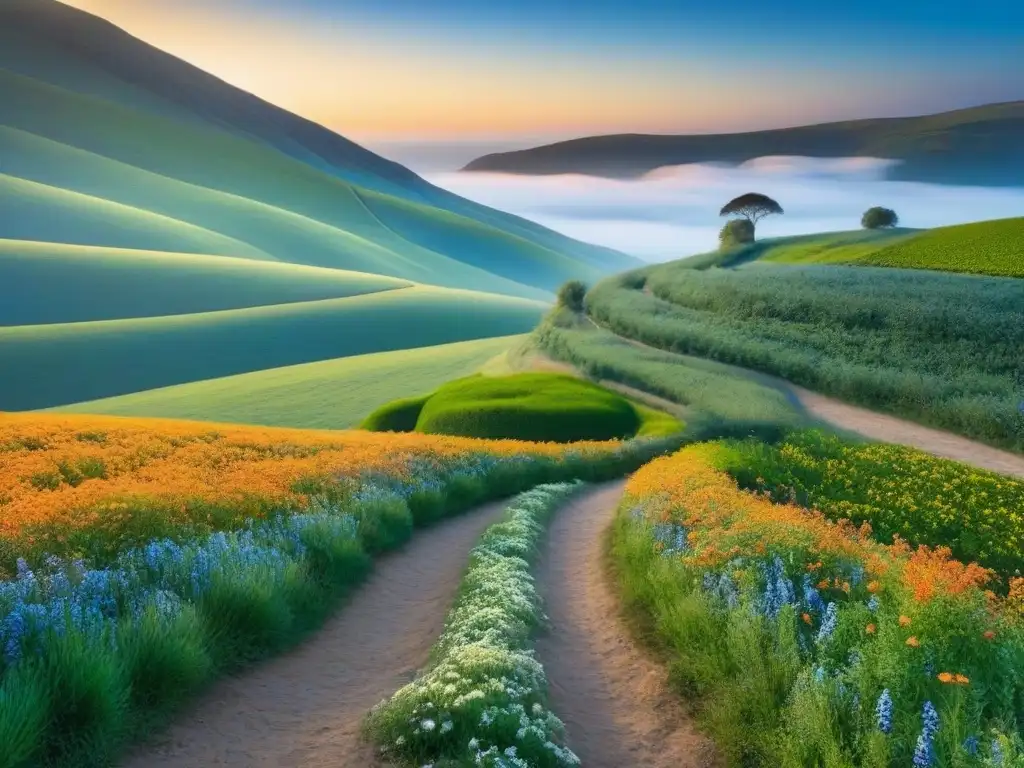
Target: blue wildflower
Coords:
[(883, 712), (923, 752), (828, 624), (873, 603), (997, 753), (970, 745)]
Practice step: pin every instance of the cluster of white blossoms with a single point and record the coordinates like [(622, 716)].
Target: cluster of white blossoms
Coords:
[(482, 701)]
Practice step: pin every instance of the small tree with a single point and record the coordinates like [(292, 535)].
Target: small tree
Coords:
[(571, 294), (752, 207), (734, 233), (879, 218)]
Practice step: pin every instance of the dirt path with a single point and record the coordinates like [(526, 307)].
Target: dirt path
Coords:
[(613, 698), (879, 426), (305, 708)]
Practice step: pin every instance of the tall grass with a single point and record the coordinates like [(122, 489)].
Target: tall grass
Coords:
[(941, 349)]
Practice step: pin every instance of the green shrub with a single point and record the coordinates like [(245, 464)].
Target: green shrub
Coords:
[(529, 406), (571, 295), (396, 416), (879, 218), (736, 232)]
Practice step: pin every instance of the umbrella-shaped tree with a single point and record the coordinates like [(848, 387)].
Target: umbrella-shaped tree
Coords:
[(752, 206)]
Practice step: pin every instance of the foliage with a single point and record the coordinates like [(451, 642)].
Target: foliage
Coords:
[(205, 550), (396, 416), (899, 491), (752, 206), (571, 294), (982, 248), (482, 700), (941, 349), (879, 218), (806, 643), (736, 232)]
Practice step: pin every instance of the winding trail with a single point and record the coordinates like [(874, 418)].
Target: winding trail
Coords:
[(614, 700), (873, 425), (306, 708)]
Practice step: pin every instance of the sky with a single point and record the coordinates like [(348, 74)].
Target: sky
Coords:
[(497, 73), (673, 212)]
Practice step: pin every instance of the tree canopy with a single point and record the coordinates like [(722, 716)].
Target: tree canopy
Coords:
[(571, 294), (752, 206), (879, 218)]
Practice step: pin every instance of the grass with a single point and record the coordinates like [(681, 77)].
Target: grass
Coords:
[(77, 362), (802, 642), (832, 247), (62, 283), (332, 394), (204, 548), (936, 348), (483, 691), (898, 491), (524, 406)]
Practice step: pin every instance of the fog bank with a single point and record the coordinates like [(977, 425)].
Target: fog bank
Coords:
[(673, 212)]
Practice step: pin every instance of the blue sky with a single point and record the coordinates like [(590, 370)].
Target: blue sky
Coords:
[(460, 69)]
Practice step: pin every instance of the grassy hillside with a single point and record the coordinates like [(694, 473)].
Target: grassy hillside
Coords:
[(73, 362), (332, 394), (981, 248), (69, 284), (981, 145), (939, 348)]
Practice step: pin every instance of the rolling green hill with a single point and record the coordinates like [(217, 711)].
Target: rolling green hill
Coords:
[(159, 227), (332, 394), (62, 283), (86, 108), (74, 362), (981, 145), (981, 248)]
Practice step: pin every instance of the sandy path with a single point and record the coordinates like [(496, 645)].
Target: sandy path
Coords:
[(613, 699), (305, 708), (880, 426)]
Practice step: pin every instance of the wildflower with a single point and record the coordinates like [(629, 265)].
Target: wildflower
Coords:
[(988, 634), (873, 604), (870, 629), (997, 753), (929, 720), (924, 754), (970, 745), (913, 642), (883, 712), (828, 623), (824, 584), (904, 621), (806, 617), (961, 679), (873, 587), (427, 724), (945, 677)]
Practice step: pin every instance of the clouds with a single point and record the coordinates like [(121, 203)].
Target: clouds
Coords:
[(673, 212)]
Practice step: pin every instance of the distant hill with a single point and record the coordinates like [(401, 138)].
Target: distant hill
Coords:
[(981, 145), (105, 140)]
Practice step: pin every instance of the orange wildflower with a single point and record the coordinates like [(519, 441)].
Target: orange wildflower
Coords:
[(913, 642), (807, 618), (904, 621), (961, 679), (988, 634), (870, 629), (824, 584), (945, 677), (874, 587)]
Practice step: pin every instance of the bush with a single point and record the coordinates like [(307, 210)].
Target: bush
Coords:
[(396, 416), (530, 406), (736, 232), (571, 295), (879, 218)]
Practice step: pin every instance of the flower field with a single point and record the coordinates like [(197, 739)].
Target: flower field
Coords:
[(805, 640), (482, 701), (900, 491), (142, 558)]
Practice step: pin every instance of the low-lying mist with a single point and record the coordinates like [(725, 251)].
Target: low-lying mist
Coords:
[(673, 212)]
